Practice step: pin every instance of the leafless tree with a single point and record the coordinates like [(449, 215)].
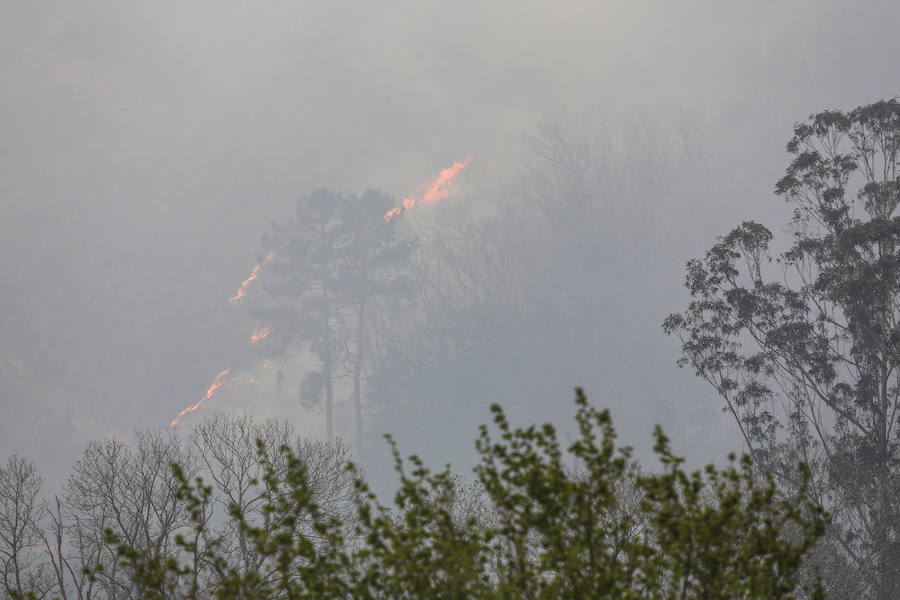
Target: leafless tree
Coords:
[(67, 555), (21, 508), (230, 449), (130, 494), (117, 493)]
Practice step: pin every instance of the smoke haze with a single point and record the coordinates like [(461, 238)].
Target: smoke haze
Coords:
[(145, 148)]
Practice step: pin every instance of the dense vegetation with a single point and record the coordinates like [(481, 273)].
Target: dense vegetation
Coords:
[(540, 521)]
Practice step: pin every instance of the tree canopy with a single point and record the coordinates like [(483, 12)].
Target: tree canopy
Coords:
[(802, 346), (540, 521), (332, 263)]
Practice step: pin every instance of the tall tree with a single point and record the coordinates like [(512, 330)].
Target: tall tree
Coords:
[(334, 262), (21, 511), (803, 347)]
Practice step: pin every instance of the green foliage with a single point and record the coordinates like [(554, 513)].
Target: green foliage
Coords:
[(542, 522)]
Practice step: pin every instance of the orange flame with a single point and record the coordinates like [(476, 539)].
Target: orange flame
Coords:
[(259, 333), (440, 188), (242, 291), (217, 383)]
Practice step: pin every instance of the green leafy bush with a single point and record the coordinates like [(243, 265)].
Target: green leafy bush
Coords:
[(540, 522)]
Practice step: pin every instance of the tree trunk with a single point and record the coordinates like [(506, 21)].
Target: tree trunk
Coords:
[(326, 368), (885, 541), (329, 397), (357, 381)]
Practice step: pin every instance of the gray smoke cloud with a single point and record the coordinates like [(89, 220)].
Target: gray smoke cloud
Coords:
[(145, 148)]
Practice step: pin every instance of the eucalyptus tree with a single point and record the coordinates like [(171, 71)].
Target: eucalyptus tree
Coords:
[(802, 346)]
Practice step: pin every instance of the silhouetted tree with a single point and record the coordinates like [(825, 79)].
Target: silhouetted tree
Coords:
[(334, 261), (804, 348)]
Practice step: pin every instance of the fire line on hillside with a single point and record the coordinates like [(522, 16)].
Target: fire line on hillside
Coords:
[(442, 187)]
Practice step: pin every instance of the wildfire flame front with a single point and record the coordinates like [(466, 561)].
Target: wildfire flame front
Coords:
[(259, 333), (242, 291), (445, 185), (216, 384)]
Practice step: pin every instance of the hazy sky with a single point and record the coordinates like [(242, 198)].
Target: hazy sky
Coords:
[(146, 146)]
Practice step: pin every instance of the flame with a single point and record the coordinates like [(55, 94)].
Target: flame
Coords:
[(259, 333), (242, 291), (440, 188), (217, 383)]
